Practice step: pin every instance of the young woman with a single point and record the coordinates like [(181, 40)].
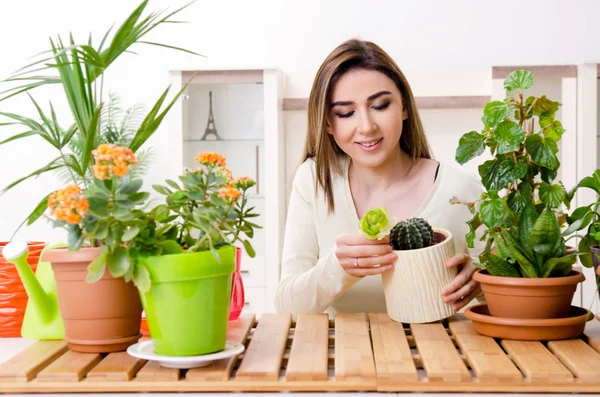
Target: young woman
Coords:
[(365, 148)]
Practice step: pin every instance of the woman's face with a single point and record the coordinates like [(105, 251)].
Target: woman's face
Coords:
[(366, 115)]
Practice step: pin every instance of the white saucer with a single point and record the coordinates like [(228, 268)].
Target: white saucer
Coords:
[(145, 350)]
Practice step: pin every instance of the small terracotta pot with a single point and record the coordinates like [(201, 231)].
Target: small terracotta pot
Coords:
[(413, 287), (99, 317), (529, 298)]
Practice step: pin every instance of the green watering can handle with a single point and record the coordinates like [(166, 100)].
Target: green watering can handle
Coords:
[(16, 252)]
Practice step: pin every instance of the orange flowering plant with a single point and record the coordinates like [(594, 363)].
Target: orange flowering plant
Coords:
[(207, 211)]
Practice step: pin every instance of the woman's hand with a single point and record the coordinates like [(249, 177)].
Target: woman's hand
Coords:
[(463, 289), (360, 256)]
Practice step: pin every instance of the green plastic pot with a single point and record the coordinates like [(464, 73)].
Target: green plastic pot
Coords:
[(187, 307)]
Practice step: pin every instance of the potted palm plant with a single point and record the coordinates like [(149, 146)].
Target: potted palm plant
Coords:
[(526, 267), (95, 207)]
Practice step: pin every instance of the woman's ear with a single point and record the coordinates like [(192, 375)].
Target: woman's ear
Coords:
[(328, 126)]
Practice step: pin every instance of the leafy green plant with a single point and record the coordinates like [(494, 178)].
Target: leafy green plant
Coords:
[(79, 69), (521, 207), (586, 218)]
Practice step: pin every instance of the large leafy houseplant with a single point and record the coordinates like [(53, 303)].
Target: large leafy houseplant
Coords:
[(79, 68), (521, 207)]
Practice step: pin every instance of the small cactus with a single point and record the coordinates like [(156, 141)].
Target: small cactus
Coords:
[(411, 234)]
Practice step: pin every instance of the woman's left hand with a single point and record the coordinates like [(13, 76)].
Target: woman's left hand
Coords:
[(463, 289)]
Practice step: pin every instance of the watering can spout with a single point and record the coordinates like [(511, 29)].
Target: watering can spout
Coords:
[(45, 305)]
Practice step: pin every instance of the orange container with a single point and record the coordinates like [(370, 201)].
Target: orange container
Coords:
[(13, 298)]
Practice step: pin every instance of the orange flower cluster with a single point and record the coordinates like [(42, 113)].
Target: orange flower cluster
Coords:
[(113, 160), (211, 159), (68, 204), (244, 182), (229, 194), (225, 173)]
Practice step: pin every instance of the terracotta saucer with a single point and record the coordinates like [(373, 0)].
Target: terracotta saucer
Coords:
[(528, 329)]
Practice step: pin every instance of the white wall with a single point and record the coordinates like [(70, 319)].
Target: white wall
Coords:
[(460, 39)]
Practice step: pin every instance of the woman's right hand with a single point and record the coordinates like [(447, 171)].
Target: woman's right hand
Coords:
[(361, 257)]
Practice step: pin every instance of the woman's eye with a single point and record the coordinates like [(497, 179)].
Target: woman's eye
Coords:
[(381, 107), (345, 115)]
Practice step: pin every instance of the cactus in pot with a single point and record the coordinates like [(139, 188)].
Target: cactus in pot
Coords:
[(413, 286)]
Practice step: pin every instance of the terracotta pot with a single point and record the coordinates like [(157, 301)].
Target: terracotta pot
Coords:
[(529, 298), (413, 287), (100, 317)]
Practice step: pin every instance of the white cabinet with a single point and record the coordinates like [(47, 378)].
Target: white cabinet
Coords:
[(237, 113)]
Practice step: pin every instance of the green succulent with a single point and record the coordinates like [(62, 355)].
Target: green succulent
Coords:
[(376, 224)]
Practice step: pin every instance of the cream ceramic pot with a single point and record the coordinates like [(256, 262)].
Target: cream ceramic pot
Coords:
[(413, 288)]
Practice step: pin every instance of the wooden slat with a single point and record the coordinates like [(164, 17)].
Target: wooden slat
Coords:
[(441, 360), (26, 365), (539, 71), (309, 352), (393, 359), (536, 362), (70, 367), (153, 372), (353, 353), (579, 357), (118, 367), (237, 332), (485, 357), (262, 359)]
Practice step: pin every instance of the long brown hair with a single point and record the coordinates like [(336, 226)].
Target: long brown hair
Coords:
[(320, 145)]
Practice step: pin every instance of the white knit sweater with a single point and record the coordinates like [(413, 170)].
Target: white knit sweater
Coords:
[(312, 279)]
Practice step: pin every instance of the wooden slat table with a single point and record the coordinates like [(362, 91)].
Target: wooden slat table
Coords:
[(353, 352)]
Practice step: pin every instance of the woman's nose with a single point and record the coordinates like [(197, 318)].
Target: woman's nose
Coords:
[(366, 123)]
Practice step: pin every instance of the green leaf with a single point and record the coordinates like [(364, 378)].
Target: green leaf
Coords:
[(173, 184), (543, 151), (474, 224), (130, 187), (544, 105), (171, 247), (528, 269), (74, 237), (548, 175), (90, 137), (118, 262), (97, 267), (101, 231), (249, 248), (522, 79), (554, 131), (509, 136), (38, 210), (495, 112), (545, 234), (559, 267), (141, 277), (470, 146), (584, 248), (578, 224), (160, 212), (162, 190), (499, 267), (130, 233), (528, 219), (551, 195), (138, 197), (491, 210), (591, 182), (510, 171), (518, 199)]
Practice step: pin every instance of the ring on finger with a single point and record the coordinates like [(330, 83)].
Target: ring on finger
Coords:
[(355, 262)]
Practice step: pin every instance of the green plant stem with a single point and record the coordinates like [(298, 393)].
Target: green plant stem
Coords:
[(531, 107)]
